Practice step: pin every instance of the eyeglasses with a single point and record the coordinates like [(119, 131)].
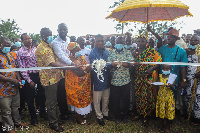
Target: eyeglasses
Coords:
[(171, 36)]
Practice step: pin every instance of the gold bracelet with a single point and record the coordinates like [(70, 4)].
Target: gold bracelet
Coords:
[(121, 64)]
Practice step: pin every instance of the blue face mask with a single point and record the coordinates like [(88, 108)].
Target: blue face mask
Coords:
[(88, 46), (192, 47), (108, 44), (166, 72), (6, 50), (78, 54), (128, 46), (50, 39), (119, 46), (18, 44)]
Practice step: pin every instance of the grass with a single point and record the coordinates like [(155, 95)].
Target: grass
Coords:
[(179, 126)]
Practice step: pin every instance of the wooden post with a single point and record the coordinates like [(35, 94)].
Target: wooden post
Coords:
[(147, 20)]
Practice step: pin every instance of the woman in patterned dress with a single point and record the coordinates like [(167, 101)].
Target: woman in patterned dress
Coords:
[(193, 57), (78, 85), (144, 92)]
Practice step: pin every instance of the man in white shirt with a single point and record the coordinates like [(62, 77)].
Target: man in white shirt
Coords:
[(60, 44), (84, 51)]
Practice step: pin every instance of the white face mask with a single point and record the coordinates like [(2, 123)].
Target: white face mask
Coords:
[(166, 72)]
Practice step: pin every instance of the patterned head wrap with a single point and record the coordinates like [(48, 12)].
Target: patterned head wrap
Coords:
[(142, 36), (72, 46)]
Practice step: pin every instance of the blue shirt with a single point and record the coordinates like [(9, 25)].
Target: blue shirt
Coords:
[(94, 55), (168, 55)]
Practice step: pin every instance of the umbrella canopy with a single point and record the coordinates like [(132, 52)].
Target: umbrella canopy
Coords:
[(149, 10)]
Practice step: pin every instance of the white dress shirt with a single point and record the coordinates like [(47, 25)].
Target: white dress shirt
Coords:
[(60, 49), (86, 52)]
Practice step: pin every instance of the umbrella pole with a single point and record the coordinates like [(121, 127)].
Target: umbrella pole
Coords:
[(147, 21)]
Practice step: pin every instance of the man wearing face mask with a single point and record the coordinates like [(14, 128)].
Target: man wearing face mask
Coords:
[(15, 47), (59, 45), (26, 59), (193, 57), (9, 93), (108, 46), (88, 45), (120, 79), (49, 78), (84, 51), (17, 42)]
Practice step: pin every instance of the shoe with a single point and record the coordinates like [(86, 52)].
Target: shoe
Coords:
[(125, 120), (61, 123), (65, 117), (57, 128), (101, 122), (70, 112), (34, 122), (21, 125), (22, 116), (12, 131), (117, 121), (108, 118), (44, 116)]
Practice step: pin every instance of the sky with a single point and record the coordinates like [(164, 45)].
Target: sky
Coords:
[(81, 16)]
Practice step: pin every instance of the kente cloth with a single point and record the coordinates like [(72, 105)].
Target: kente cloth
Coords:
[(78, 89), (145, 100), (7, 61)]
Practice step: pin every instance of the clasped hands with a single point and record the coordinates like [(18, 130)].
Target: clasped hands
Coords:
[(79, 66)]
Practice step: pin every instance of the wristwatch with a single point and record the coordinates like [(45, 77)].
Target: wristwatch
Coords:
[(184, 80)]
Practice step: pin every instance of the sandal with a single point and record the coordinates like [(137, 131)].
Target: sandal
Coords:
[(135, 118), (195, 124), (86, 123), (167, 131), (145, 123)]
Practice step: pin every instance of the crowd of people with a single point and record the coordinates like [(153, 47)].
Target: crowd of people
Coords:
[(125, 91)]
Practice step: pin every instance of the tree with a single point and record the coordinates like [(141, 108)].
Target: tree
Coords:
[(35, 37), (9, 28), (119, 26), (38, 37), (157, 26)]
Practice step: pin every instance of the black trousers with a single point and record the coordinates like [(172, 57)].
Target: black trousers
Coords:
[(118, 93), (22, 92), (30, 95), (61, 98)]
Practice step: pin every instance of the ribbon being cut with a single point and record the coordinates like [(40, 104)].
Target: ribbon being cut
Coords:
[(101, 66)]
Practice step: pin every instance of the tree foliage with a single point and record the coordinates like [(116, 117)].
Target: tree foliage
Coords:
[(119, 26), (35, 37), (9, 28), (157, 26)]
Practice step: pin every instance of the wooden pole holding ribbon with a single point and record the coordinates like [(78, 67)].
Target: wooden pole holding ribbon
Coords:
[(192, 99), (147, 21), (194, 86)]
